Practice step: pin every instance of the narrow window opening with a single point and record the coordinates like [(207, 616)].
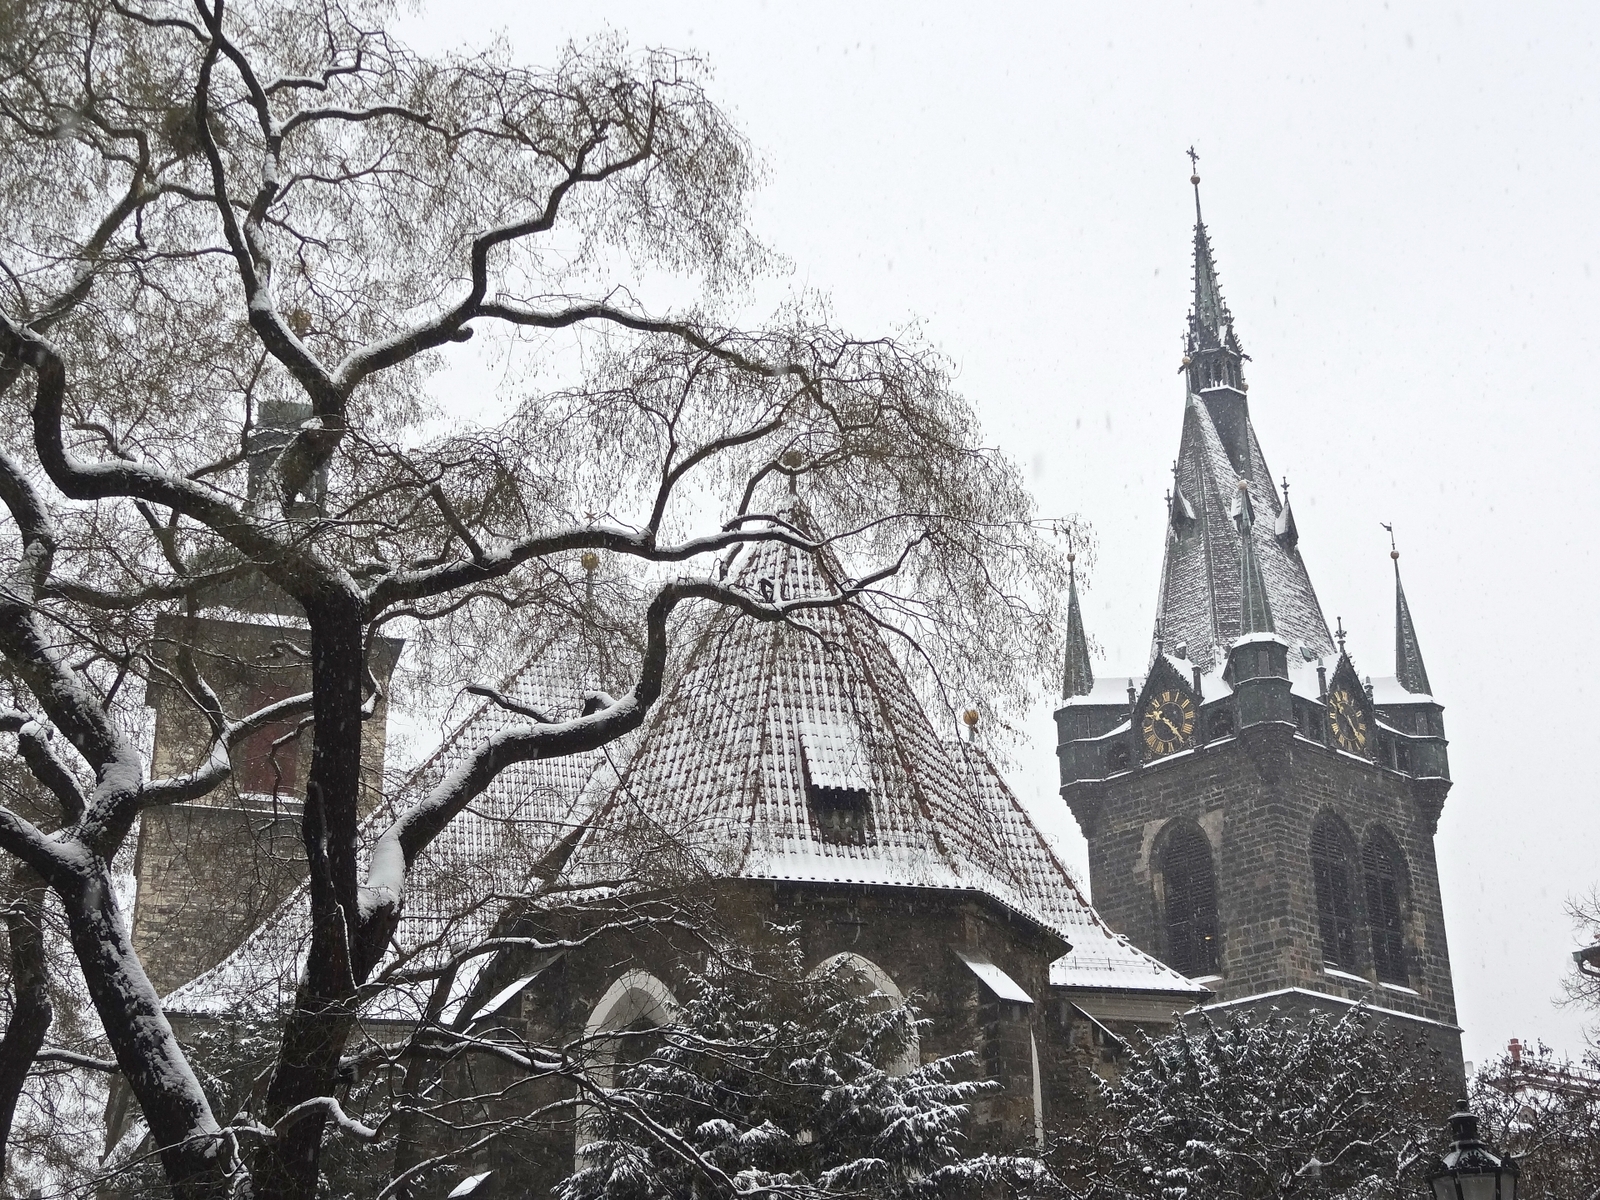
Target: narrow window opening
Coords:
[(1331, 876), (1189, 883), (258, 765), (1219, 724), (1385, 882)]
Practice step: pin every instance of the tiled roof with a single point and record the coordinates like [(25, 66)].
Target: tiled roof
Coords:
[(766, 726), (766, 717), (464, 880)]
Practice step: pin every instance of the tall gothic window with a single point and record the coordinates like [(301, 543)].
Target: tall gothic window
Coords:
[(1189, 886), (1336, 908), (1384, 873)]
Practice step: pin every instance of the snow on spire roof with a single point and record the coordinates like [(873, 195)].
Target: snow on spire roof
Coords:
[(461, 883), (1200, 601), (726, 771)]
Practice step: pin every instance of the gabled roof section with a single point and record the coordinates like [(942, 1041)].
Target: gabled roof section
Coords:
[(722, 772), (519, 830)]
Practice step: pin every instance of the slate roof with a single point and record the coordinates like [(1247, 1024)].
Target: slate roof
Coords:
[(765, 714), (464, 880)]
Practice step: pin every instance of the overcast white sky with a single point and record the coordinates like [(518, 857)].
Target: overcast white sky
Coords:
[(1402, 200)]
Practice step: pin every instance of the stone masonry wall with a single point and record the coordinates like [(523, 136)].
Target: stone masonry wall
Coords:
[(1257, 796)]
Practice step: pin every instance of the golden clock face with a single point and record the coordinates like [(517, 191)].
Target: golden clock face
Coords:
[(1168, 722), (1347, 721)]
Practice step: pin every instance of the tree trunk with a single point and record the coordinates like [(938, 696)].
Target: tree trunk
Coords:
[(175, 1109), (31, 1012), (318, 1029)]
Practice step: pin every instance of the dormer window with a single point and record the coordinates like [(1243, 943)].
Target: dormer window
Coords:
[(838, 779)]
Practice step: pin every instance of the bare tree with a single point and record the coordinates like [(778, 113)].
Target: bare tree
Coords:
[(212, 210)]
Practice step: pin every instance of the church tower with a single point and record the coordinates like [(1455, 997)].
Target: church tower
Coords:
[(1260, 813), (210, 870)]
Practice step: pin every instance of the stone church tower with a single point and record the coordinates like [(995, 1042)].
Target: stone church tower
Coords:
[(1260, 815), (210, 871)]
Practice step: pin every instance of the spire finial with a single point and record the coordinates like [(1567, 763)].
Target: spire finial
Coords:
[(1339, 633), (1286, 489), (1394, 551), (1194, 178)]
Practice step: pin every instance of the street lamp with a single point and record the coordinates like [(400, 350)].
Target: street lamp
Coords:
[(1471, 1170)]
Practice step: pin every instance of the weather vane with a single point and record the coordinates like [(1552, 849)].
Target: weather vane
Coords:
[(1394, 551)]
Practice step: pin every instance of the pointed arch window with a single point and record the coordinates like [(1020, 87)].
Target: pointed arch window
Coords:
[(1384, 873), (1189, 898), (1332, 877)]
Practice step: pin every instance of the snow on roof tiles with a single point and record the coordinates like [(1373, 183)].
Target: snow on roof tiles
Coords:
[(727, 769), (722, 770)]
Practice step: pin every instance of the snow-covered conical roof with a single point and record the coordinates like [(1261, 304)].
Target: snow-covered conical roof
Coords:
[(737, 765)]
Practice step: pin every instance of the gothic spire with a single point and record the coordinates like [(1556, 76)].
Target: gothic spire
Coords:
[(1078, 677), (1408, 668), (1212, 352), (1255, 613), (1210, 313)]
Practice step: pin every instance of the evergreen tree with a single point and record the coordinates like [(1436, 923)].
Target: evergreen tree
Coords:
[(1255, 1108), (770, 1079)]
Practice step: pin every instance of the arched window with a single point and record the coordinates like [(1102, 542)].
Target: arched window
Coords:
[(1383, 868), (635, 1003), (1189, 900), (863, 977), (1332, 877)]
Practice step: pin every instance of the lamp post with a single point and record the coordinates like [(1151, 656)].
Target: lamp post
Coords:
[(1471, 1170)]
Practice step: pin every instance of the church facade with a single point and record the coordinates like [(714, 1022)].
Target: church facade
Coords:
[(1260, 816)]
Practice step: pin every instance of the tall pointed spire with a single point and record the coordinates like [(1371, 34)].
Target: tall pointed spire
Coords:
[(1210, 313), (1408, 668), (1212, 353), (1255, 613), (1078, 677)]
